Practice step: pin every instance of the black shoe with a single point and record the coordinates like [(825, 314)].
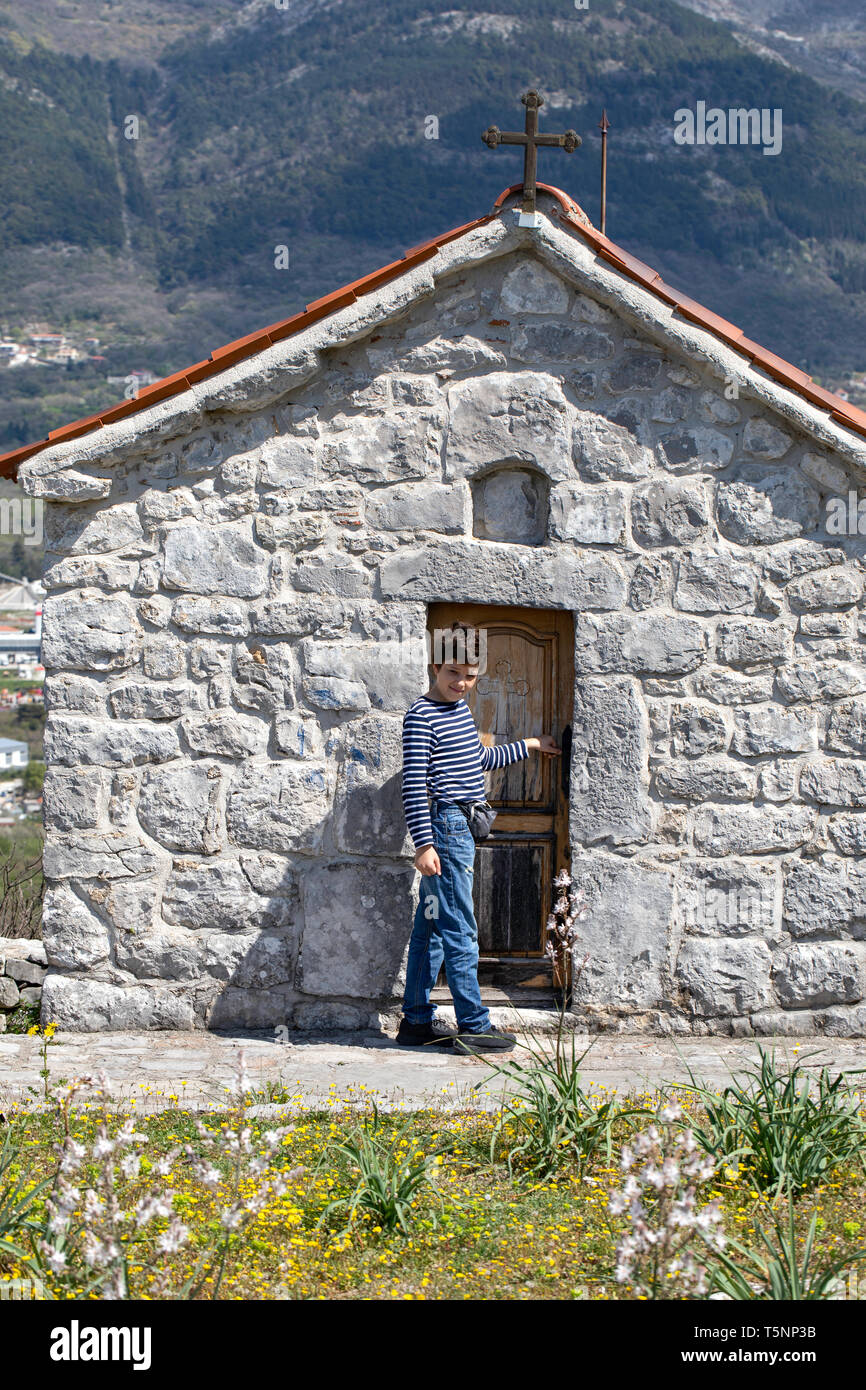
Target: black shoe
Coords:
[(487, 1040), (425, 1034)]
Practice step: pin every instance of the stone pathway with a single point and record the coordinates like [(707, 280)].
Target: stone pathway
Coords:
[(198, 1067)]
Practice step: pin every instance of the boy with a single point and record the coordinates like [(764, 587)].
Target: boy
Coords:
[(442, 753)]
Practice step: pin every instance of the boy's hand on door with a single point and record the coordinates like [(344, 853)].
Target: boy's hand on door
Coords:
[(545, 743), (427, 861)]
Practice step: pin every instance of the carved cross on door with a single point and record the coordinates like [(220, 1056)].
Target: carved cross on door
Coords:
[(530, 139), (504, 688)]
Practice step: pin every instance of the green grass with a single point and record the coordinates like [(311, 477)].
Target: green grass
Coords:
[(412, 1206)]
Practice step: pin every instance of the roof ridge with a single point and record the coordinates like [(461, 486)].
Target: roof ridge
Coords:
[(572, 215)]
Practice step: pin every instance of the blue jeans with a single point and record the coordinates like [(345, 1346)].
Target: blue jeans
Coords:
[(445, 927)]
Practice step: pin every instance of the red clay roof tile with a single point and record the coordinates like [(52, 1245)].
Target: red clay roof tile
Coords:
[(572, 215), (117, 412), (853, 417), (705, 318), (88, 422)]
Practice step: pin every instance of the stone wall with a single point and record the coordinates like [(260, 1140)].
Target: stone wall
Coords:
[(235, 627), (22, 970)]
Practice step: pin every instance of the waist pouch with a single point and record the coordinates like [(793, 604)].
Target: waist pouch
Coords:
[(480, 816)]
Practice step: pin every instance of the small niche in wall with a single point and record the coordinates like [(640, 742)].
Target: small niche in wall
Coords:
[(510, 503)]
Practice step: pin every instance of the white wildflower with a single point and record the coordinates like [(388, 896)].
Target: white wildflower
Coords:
[(149, 1208), (173, 1238), (55, 1259), (73, 1153)]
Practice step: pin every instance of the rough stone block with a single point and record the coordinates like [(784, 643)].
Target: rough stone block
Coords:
[(723, 977), (846, 727), (388, 670), (179, 807), (625, 934), (225, 734), (777, 781), (355, 929), (752, 641), (74, 936), (333, 693), (94, 1006), (666, 512), (608, 793), (711, 582), (225, 617), (530, 288), (163, 657), (835, 587), (773, 729), (588, 516), (822, 680), (369, 807), (728, 898), (824, 898), (139, 700), (214, 560), (634, 371), (508, 416), (339, 575), (708, 779), (74, 798), (469, 571), (10, 994), (645, 644), (25, 972), (382, 449), (71, 741), (561, 342), (727, 830), (834, 782), (848, 832), (605, 450), (420, 507), (106, 855), (279, 806), (773, 508), (816, 973), (690, 449), (728, 688), (763, 440), (219, 897), (696, 730), (88, 631), (298, 736)]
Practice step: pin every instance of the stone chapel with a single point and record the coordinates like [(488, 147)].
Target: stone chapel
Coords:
[(655, 522)]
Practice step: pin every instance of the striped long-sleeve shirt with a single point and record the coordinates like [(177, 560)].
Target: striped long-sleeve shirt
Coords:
[(443, 754)]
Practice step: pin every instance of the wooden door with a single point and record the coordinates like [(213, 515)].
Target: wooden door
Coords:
[(526, 689)]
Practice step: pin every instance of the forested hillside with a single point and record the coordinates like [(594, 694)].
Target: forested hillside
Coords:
[(306, 126)]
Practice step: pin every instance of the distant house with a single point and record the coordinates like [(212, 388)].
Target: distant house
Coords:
[(22, 648), (26, 594), (13, 753)]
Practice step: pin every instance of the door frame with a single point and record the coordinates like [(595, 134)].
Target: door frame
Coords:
[(558, 622)]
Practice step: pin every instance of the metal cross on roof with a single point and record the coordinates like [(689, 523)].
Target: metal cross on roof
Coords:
[(531, 140)]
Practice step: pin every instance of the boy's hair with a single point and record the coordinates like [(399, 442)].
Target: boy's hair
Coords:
[(462, 643)]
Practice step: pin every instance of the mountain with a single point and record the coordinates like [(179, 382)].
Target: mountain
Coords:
[(827, 40), (162, 162)]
